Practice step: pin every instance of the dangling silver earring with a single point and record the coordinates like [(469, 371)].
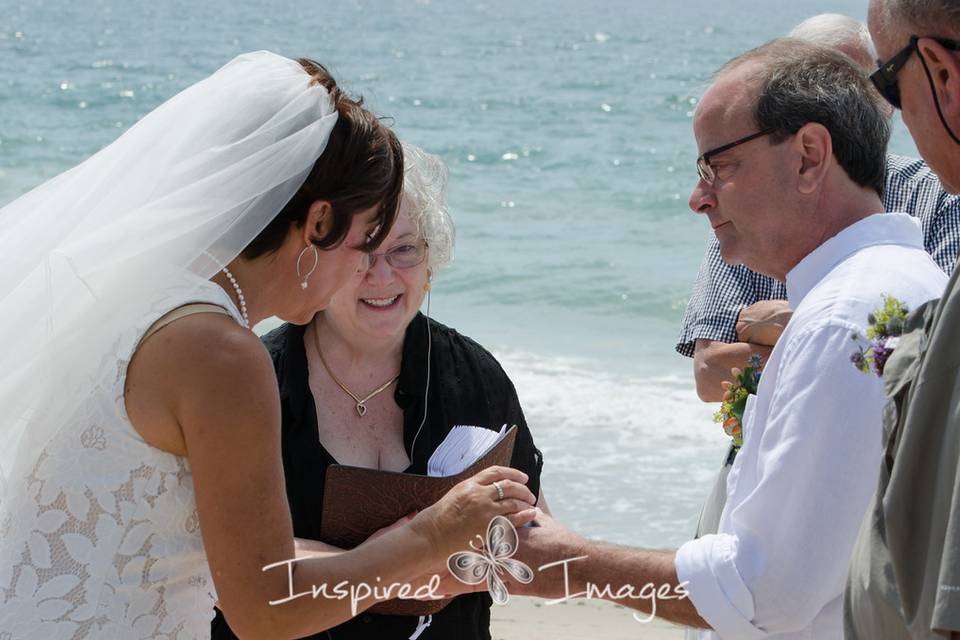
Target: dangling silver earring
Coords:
[(316, 260)]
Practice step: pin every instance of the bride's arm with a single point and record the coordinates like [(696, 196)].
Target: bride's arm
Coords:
[(219, 386)]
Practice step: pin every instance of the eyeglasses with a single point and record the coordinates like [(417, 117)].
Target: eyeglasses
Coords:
[(885, 78), (707, 172), (402, 256)]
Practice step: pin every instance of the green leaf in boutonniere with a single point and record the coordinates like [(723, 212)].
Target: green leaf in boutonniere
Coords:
[(884, 328)]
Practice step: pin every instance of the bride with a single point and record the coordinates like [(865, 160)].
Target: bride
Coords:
[(140, 465)]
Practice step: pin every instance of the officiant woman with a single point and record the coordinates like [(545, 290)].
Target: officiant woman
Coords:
[(372, 382)]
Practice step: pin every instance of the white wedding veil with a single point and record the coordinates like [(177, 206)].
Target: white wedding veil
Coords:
[(189, 185)]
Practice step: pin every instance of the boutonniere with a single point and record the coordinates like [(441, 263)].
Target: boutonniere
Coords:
[(884, 328), (735, 396)]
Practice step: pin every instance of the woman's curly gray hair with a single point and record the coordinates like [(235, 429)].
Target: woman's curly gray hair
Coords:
[(425, 201)]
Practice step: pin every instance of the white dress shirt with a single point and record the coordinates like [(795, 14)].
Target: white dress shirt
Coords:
[(810, 460)]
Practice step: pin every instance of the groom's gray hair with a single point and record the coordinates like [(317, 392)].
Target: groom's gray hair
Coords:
[(921, 17), (797, 83)]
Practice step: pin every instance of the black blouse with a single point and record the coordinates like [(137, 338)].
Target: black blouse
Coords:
[(467, 386)]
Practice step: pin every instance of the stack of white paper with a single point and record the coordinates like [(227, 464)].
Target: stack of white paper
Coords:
[(463, 446)]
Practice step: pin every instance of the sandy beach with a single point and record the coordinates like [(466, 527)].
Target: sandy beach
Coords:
[(532, 619)]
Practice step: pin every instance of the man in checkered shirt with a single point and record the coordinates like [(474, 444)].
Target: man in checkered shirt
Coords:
[(734, 312)]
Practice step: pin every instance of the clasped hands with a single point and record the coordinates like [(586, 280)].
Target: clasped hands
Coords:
[(763, 322), (544, 543)]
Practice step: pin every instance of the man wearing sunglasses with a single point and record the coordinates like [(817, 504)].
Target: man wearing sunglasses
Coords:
[(793, 144), (904, 577)]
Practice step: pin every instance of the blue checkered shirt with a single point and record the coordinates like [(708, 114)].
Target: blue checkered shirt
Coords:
[(722, 290)]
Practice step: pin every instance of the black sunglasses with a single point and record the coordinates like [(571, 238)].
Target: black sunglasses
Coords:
[(706, 172), (885, 78)]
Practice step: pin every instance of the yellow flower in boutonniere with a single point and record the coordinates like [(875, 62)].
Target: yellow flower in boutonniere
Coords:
[(735, 396)]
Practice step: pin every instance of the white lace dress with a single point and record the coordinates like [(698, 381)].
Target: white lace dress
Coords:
[(106, 539)]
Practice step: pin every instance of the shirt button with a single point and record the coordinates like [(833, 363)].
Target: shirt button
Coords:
[(367, 619)]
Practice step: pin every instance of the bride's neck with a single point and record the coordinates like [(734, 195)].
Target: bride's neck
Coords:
[(254, 281)]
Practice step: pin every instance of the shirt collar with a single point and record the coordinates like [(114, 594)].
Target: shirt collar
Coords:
[(413, 362), (292, 372), (878, 229)]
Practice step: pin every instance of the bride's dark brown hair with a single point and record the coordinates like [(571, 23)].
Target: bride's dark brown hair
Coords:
[(360, 167)]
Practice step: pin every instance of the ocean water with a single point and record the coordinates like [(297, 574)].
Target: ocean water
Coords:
[(567, 129)]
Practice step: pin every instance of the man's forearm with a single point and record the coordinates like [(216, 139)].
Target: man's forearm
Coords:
[(644, 580), (612, 570), (713, 360)]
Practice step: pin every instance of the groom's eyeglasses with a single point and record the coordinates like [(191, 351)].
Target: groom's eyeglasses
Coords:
[(706, 172), (402, 256), (885, 78)]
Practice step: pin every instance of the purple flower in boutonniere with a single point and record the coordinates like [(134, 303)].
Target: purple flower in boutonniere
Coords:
[(735, 396), (885, 326)]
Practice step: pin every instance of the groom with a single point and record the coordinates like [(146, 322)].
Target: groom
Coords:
[(793, 141)]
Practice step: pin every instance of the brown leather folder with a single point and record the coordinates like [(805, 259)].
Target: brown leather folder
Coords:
[(357, 502)]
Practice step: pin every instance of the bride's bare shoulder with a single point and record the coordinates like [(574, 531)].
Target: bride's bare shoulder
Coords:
[(201, 368)]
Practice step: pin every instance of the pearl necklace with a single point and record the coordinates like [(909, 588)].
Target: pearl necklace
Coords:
[(236, 287), (243, 303)]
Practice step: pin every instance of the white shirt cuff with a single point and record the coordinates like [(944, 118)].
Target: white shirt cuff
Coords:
[(707, 569)]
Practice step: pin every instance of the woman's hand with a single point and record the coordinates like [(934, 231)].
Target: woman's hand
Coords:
[(467, 509), (405, 520)]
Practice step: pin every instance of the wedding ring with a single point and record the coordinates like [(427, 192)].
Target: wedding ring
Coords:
[(496, 485)]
